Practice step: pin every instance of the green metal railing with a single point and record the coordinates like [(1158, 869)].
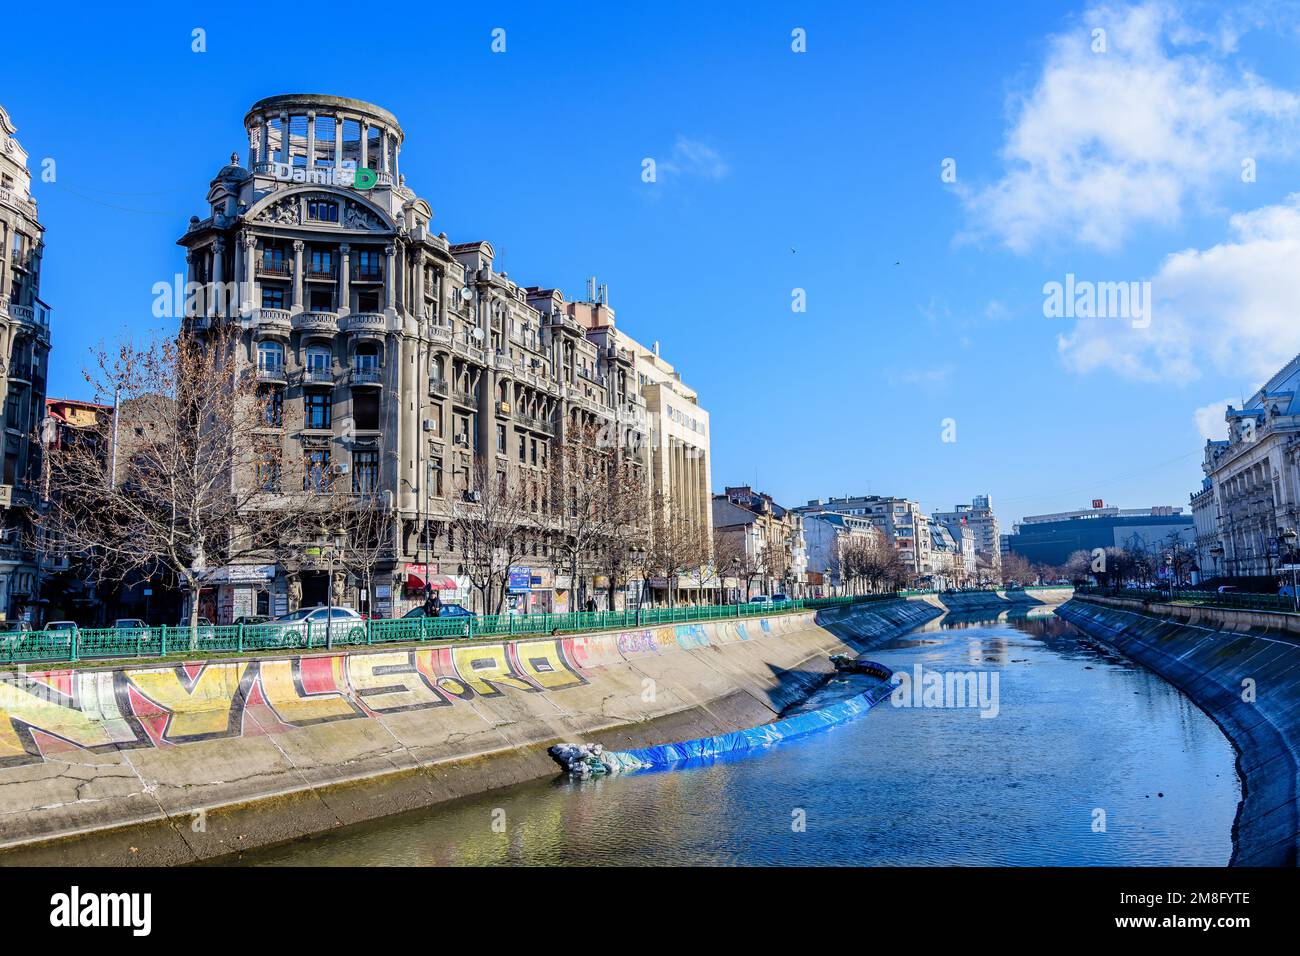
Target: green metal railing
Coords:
[(105, 643), (1238, 600)]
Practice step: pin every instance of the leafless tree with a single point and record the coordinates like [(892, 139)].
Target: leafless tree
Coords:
[(491, 524), (178, 482)]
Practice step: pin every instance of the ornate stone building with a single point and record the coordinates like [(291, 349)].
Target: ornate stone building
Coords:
[(1249, 502), (24, 357), (391, 357)]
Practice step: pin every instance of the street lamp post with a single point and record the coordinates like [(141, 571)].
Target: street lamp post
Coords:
[(333, 553), (1290, 536)]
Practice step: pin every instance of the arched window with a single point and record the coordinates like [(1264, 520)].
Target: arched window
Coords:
[(270, 356), (319, 357), (367, 357)]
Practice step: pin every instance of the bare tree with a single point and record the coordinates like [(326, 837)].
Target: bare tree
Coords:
[(178, 482), (620, 551), (491, 523), (674, 543), (367, 521)]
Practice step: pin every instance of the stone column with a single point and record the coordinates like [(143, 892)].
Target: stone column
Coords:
[(418, 310), (237, 276), (365, 144), (338, 141), (311, 140), (249, 293), (390, 279), (345, 276), (264, 141), (218, 270), (297, 275)]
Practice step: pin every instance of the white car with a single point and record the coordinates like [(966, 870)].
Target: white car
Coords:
[(336, 623), (760, 599)]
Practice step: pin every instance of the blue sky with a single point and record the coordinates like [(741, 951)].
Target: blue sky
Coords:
[(777, 170)]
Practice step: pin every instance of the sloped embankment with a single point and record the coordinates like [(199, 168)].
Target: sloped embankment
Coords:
[(1248, 682), (162, 764)]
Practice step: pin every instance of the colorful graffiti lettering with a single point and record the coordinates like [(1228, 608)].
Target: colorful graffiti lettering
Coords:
[(44, 714)]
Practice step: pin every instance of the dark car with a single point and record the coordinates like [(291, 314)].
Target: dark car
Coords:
[(249, 620), (444, 610)]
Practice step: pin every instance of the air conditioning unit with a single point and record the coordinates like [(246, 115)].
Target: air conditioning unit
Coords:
[(473, 496), (430, 425), (462, 440), (338, 468)]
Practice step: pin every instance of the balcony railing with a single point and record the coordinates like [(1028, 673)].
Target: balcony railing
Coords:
[(317, 270), (271, 373), (463, 397), (281, 268), (365, 376), (365, 322), (316, 321), (363, 274), (274, 319), (318, 376), (437, 388)]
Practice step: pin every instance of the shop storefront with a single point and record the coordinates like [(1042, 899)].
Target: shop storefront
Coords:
[(530, 591), (240, 590)]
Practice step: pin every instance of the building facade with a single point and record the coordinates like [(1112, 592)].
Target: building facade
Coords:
[(982, 523), (24, 360), (1052, 538), (904, 525), (394, 359), (769, 539), (1248, 507)]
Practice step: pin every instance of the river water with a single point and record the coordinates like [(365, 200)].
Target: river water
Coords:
[(1089, 759)]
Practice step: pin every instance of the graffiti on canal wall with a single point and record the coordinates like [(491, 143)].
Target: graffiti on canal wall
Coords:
[(43, 714)]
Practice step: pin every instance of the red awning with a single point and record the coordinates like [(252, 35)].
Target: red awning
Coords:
[(417, 576)]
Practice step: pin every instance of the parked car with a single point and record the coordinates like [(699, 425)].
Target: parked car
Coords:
[(760, 599), (129, 624), (13, 632), (249, 620), (341, 623), (61, 626), (449, 609), (779, 598), (1229, 589)]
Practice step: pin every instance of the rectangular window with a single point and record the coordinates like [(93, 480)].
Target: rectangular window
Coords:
[(501, 439), (322, 300), (365, 471), (435, 417), (272, 407), (272, 298), (367, 264), (322, 260), (268, 468), (318, 210), (523, 449), (316, 468), (365, 409), (436, 475), (318, 408)]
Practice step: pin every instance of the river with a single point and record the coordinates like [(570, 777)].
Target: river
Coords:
[(1089, 760)]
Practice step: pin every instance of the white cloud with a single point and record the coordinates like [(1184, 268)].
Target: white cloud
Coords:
[(1210, 422), (1231, 308), (693, 158), (1108, 141)]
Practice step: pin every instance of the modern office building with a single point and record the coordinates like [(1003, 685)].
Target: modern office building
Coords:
[(24, 359), (1052, 538), (400, 360)]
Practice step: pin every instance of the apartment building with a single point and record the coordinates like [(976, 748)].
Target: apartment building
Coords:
[(768, 539), (977, 516), (24, 360), (902, 522), (827, 536), (396, 360)]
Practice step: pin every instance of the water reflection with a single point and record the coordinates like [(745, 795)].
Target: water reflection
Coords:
[(1078, 730)]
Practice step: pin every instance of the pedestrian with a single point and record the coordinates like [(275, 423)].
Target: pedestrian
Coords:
[(591, 604)]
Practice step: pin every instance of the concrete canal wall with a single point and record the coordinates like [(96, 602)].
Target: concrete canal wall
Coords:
[(1243, 670), (164, 764)]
